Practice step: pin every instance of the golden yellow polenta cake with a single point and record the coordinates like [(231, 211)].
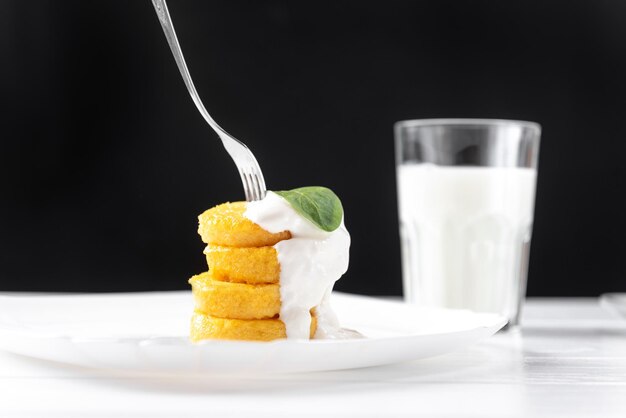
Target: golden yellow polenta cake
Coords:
[(234, 300), (255, 265), (225, 225), (204, 327)]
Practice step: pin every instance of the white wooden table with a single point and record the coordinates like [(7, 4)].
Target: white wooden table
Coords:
[(569, 360)]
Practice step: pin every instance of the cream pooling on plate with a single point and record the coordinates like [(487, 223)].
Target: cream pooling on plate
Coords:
[(310, 264)]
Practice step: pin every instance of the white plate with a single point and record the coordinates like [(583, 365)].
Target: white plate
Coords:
[(148, 332)]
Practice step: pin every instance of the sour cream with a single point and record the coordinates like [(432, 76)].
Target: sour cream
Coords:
[(310, 264)]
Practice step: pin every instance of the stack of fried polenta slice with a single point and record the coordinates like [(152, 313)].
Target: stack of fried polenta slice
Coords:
[(239, 297)]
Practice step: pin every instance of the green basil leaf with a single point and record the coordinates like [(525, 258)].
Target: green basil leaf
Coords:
[(317, 204)]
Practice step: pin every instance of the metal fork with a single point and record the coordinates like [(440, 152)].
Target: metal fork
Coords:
[(249, 170)]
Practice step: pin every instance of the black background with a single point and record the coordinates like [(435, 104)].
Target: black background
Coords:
[(105, 162)]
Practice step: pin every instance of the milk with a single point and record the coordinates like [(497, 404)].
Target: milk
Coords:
[(465, 235)]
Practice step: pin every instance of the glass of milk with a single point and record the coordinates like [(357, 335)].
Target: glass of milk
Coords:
[(466, 193)]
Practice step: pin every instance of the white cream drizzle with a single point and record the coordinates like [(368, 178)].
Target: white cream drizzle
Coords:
[(310, 264)]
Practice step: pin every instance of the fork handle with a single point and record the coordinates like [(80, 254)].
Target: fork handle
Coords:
[(160, 6), (250, 172)]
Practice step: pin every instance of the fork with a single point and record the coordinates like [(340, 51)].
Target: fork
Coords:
[(247, 165)]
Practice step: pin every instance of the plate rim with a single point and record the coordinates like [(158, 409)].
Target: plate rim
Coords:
[(498, 322)]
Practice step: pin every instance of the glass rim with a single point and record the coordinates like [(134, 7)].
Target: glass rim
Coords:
[(443, 122)]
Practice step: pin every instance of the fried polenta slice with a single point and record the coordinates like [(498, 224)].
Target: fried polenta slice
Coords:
[(255, 265), (225, 225), (234, 300), (204, 327)]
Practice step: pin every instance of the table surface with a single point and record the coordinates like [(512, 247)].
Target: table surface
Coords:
[(569, 359)]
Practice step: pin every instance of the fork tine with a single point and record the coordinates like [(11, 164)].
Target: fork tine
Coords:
[(259, 181), (257, 190), (246, 184), (252, 183), (259, 187), (257, 175), (252, 191), (250, 169)]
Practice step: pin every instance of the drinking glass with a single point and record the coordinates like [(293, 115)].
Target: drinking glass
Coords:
[(466, 193)]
